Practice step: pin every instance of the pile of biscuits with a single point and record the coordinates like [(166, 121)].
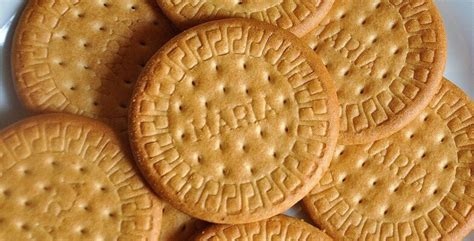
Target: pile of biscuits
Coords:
[(206, 120)]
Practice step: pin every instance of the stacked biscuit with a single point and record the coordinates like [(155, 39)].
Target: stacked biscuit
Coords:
[(213, 130)]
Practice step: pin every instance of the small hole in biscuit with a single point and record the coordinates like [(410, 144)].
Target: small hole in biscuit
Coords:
[(364, 21), (142, 65), (446, 166), (155, 23), (224, 89), (244, 148), (7, 192), (385, 75), (127, 81), (103, 188), (123, 106), (180, 107), (412, 208), (360, 201), (342, 16), (361, 91), (193, 83), (183, 228), (86, 67), (378, 5), (133, 8), (385, 212), (142, 43), (442, 139), (395, 189), (425, 118), (397, 51), (27, 203), (247, 91), (199, 159), (80, 15), (274, 154), (106, 5), (82, 169), (374, 183), (25, 226), (346, 73), (86, 45), (102, 28), (269, 78), (262, 134), (287, 129), (83, 231), (285, 101), (95, 103), (112, 215), (423, 155), (393, 25), (240, 2), (435, 191), (363, 164), (65, 37), (61, 63), (344, 179), (72, 88)]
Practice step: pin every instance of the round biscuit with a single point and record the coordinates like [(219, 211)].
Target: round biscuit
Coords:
[(416, 184), (83, 57), (234, 121), (65, 177), (278, 228), (386, 58), (296, 16)]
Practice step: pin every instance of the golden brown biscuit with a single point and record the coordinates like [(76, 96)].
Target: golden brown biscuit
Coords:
[(297, 16), (416, 184), (278, 228), (177, 225), (387, 59), (83, 56), (65, 177), (234, 121)]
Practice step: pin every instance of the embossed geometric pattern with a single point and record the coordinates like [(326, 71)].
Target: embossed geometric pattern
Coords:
[(234, 121), (68, 178), (297, 16), (83, 56), (278, 228), (416, 184), (386, 57)]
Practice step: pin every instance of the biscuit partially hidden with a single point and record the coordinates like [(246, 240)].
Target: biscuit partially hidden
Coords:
[(83, 57), (278, 228), (387, 59), (65, 177), (416, 184), (234, 121), (297, 16), (177, 225)]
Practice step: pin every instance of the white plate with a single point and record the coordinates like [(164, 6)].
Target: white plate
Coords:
[(458, 19)]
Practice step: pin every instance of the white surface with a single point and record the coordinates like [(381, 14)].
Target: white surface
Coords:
[(458, 19)]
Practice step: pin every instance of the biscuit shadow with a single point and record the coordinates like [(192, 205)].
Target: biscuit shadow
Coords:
[(11, 109), (123, 69)]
